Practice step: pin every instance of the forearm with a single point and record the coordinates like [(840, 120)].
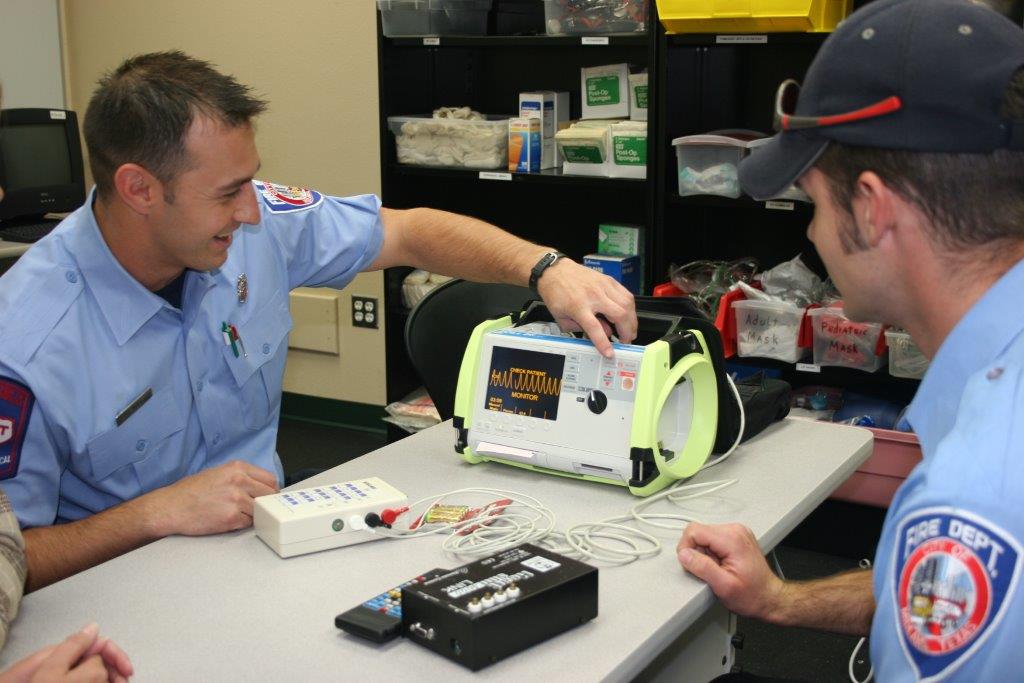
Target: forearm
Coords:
[(57, 552), (842, 603), (461, 246)]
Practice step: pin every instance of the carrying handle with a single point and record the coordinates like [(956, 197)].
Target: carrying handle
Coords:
[(701, 437)]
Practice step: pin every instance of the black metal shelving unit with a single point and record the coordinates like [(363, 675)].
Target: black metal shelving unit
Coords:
[(487, 73), (698, 83)]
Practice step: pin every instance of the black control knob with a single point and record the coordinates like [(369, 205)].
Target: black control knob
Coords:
[(597, 401)]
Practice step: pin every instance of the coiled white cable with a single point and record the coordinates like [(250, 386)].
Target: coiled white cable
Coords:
[(864, 564), (526, 520), (743, 425)]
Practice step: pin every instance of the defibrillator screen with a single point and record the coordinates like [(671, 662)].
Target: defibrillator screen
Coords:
[(524, 382)]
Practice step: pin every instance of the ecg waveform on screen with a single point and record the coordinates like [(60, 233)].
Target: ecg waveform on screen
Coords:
[(526, 381)]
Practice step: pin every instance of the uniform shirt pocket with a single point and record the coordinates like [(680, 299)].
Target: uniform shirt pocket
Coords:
[(261, 338), (139, 437)]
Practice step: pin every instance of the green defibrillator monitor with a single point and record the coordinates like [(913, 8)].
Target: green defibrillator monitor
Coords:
[(532, 397)]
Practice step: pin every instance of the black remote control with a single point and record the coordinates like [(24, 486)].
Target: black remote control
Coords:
[(380, 618)]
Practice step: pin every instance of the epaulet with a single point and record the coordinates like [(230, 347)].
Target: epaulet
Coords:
[(28, 318)]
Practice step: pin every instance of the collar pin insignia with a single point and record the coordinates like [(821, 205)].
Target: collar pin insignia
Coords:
[(242, 288)]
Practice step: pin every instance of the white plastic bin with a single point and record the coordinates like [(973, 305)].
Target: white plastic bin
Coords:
[(568, 17), (905, 358), (405, 17), (434, 17), (840, 341), (708, 164), (768, 329), (426, 141)]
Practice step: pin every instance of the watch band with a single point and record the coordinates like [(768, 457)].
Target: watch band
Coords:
[(545, 262)]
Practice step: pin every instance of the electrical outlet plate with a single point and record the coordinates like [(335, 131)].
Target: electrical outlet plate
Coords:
[(365, 312)]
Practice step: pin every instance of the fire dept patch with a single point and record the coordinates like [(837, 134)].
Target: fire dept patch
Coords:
[(16, 402), (954, 572), (286, 198)]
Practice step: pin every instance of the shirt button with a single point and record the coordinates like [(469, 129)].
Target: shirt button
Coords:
[(71, 276), (266, 348), (140, 445), (199, 385), (994, 373), (216, 439)]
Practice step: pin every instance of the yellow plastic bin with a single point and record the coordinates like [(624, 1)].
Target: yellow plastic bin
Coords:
[(752, 16)]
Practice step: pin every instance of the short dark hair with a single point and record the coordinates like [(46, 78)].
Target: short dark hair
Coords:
[(971, 200), (141, 111)]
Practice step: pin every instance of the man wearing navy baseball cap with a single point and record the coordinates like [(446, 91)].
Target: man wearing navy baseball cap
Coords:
[(908, 134)]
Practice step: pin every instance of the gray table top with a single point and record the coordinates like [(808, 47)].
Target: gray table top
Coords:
[(227, 608)]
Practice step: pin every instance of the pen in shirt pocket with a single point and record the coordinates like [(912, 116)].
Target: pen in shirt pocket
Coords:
[(132, 407), (232, 338)]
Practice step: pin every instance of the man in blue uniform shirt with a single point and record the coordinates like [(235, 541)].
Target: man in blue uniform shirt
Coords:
[(144, 341), (909, 136)]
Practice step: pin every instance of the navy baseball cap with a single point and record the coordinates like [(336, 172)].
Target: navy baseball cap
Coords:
[(918, 75)]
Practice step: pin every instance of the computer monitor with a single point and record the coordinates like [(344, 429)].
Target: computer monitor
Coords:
[(40, 164)]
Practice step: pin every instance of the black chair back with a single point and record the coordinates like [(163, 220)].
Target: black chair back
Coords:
[(440, 325)]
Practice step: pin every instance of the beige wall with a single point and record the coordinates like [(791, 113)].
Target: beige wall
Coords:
[(316, 61)]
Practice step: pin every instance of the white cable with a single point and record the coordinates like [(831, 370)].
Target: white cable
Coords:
[(526, 520), (743, 426), (853, 657), (673, 495), (864, 564), (778, 567)]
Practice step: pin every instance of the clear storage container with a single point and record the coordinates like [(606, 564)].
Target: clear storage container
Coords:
[(840, 341), (405, 17), (571, 17), (518, 17), (462, 17), (434, 17), (905, 359), (768, 329), (426, 141), (709, 164)]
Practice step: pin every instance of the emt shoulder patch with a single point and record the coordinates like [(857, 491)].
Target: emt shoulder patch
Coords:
[(954, 575), (285, 198), (16, 402)]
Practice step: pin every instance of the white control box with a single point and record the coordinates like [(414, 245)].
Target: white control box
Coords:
[(322, 517)]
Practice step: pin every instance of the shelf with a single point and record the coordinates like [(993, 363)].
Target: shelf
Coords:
[(879, 383), (703, 39), (714, 201), (621, 40), (546, 177)]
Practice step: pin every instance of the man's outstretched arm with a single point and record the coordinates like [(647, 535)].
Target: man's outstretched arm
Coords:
[(729, 560), (580, 299), (213, 501)]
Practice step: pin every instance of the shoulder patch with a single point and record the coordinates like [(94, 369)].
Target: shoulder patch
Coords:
[(953, 575), (286, 198), (16, 401)]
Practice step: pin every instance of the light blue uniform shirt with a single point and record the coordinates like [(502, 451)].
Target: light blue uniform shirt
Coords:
[(948, 565), (86, 339)]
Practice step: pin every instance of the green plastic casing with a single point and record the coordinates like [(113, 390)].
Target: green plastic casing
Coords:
[(656, 379)]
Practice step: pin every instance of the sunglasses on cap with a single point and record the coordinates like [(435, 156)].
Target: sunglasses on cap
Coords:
[(786, 119)]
